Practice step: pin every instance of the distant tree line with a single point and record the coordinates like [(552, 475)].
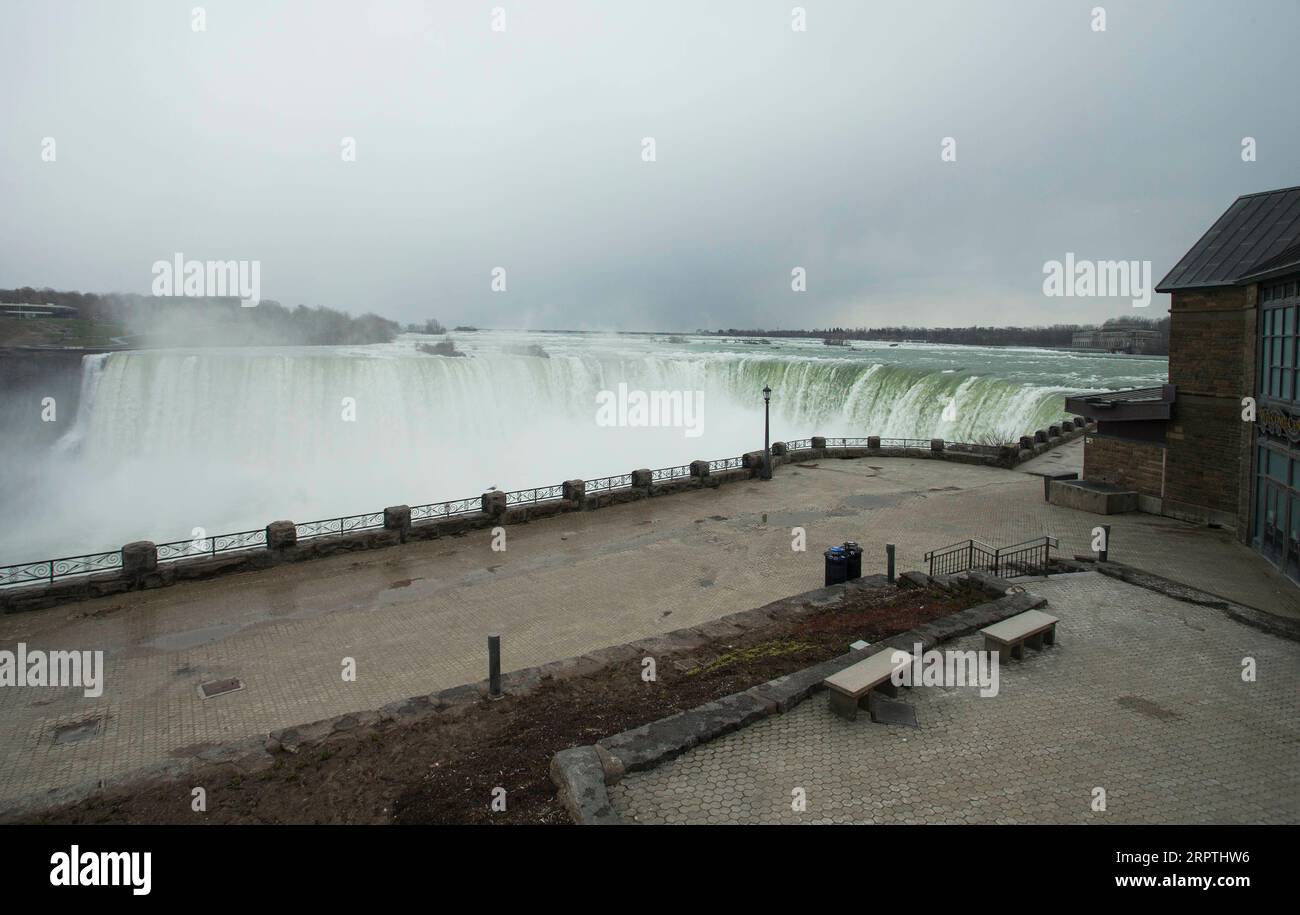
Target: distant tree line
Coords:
[(1057, 335), (219, 321)]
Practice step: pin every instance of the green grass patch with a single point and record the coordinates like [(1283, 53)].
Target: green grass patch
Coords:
[(742, 656)]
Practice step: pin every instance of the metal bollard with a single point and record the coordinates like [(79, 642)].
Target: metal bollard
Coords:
[(889, 561), (494, 667)]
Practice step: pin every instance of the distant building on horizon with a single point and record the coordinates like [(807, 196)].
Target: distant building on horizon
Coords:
[(1134, 340), (29, 310)]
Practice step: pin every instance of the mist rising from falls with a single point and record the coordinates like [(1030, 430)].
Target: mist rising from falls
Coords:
[(166, 441)]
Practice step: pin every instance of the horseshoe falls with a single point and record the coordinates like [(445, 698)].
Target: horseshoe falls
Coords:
[(164, 442)]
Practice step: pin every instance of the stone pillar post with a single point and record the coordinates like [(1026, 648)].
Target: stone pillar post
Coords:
[(139, 558), (818, 442), (493, 503), (398, 518), (641, 478), (575, 490), (699, 469), (1040, 436), (936, 444), (281, 535), (873, 442)]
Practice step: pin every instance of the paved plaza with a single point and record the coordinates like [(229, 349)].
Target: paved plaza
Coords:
[(1142, 696), (415, 617)]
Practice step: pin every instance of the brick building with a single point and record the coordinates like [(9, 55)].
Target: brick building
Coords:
[(1188, 448), (1134, 340)]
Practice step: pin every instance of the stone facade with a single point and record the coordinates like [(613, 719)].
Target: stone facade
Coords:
[(1135, 465), (1212, 363)]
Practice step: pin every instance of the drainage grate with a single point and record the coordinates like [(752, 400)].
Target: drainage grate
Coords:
[(216, 688), (891, 711)]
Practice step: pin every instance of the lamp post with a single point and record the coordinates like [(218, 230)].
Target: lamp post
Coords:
[(767, 425)]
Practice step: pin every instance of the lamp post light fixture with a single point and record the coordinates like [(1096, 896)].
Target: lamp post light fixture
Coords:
[(766, 473)]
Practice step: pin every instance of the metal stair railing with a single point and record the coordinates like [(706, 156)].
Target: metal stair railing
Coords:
[(1030, 557)]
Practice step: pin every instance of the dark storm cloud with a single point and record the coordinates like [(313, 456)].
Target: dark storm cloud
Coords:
[(522, 149)]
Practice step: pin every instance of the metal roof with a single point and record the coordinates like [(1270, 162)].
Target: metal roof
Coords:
[(1256, 229), (1124, 406), (1136, 395)]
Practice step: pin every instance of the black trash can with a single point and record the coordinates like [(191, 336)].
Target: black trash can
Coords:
[(852, 560), (836, 565)]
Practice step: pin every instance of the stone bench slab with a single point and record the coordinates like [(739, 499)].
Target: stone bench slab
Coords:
[(1020, 627)]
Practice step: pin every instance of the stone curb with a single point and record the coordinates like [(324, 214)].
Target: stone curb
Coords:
[(1279, 626), (580, 778), (659, 741)]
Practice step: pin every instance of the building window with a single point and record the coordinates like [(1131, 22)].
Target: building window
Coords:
[(1279, 354)]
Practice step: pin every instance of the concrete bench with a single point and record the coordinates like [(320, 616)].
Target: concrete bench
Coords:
[(853, 684), (1033, 628)]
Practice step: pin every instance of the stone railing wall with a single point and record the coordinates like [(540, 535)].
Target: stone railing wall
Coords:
[(145, 564)]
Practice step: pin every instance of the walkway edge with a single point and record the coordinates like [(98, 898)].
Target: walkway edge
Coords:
[(1280, 626)]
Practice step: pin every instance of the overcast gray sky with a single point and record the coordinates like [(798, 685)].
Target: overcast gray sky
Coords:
[(523, 149)]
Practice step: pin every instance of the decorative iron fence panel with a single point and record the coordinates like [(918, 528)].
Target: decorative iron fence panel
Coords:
[(211, 546), (435, 510), (604, 484), (846, 443), (50, 569), (670, 473), (539, 494), (309, 529), (914, 443)]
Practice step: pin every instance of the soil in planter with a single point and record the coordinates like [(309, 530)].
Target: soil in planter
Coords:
[(444, 768)]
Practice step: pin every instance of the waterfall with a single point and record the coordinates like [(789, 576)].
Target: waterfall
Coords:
[(167, 441)]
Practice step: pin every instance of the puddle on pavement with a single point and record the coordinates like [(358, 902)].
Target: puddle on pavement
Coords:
[(77, 731), (192, 638)]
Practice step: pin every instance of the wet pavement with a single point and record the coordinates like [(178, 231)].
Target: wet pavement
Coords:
[(1138, 714), (415, 618)]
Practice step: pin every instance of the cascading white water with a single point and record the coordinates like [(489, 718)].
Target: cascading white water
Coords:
[(167, 441)]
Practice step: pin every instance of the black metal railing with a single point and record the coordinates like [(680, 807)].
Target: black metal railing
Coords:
[(50, 569), (605, 484), (47, 570), (1032, 557), (434, 510), (531, 496), (918, 444), (670, 473), (348, 523), (211, 546)]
